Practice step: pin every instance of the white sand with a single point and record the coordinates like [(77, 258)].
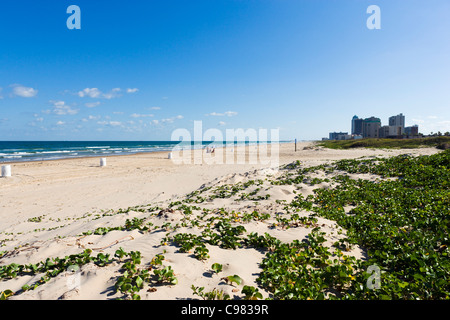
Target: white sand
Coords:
[(70, 195)]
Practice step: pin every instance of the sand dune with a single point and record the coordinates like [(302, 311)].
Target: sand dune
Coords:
[(50, 209)]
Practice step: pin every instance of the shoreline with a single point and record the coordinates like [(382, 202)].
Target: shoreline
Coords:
[(135, 153)]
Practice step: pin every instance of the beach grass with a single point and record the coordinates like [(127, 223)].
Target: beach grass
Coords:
[(441, 142)]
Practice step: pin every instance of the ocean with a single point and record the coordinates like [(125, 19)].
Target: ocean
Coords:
[(18, 151)]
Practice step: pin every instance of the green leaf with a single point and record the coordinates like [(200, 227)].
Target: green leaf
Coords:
[(120, 253), (6, 294), (139, 282), (125, 287), (217, 267), (235, 279), (136, 297), (418, 277)]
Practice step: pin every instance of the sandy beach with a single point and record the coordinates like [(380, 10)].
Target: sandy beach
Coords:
[(48, 208)]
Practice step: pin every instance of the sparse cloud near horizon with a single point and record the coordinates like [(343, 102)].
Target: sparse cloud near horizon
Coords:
[(138, 115), (172, 119), (92, 104), (91, 117), (60, 108), (432, 124), (226, 113), (110, 123)]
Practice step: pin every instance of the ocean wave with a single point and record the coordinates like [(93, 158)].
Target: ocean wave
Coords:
[(58, 151), (98, 147), (24, 153)]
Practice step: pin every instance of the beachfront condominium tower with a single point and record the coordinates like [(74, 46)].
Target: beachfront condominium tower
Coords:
[(371, 127), (357, 124), (397, 121)]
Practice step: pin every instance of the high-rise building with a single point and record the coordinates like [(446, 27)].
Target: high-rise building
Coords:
[(357, 124), (390, 132), (397, 121), (370, 127), (412, 131)]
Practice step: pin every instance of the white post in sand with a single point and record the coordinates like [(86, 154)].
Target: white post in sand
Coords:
[(170, 155), (6, 171), (102, 162)]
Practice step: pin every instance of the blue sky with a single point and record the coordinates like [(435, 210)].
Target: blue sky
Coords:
[(138, 70)]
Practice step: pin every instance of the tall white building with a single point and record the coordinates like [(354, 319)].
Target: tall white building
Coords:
[(397, 121)]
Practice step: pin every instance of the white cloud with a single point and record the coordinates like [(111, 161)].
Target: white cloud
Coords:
[(137, 115), (431, 123), (155, 121), (155, 108), (226, 113), (132, 90), (222, 123), (117, 112), (96, 93), (171, 120), (89, 92), (24, 92), (60, 123), (230, 113), (110, 123), (114, 93), (60, 108), (92, 104), (442, 126), (91, 117)]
